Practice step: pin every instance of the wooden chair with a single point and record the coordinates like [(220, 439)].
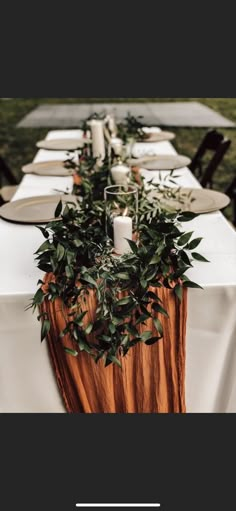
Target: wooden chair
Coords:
[(7, 192), (231, 192), (214, 142)]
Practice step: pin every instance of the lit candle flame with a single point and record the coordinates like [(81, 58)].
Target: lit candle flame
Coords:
[(125, 212)]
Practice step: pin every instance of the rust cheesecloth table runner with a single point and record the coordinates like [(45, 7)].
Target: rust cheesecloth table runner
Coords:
[(152, 378)]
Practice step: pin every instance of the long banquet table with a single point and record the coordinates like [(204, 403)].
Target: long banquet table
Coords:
[(26, 377)]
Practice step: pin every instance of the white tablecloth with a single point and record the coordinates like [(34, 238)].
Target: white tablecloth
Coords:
[(26, 380)]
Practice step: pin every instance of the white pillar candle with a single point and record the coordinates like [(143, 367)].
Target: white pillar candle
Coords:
[(122, 230), (111, 125), (98, 140), (120, 174)]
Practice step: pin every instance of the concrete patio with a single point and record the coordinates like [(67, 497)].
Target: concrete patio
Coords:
[(180, 114)]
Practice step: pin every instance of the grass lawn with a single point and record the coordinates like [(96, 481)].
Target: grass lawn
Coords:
[(17, 146)]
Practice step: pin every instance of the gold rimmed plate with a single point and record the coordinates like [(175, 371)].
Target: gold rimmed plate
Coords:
[(161, 162), (63, 144), (34, 210), (196, 200), (48, 168)]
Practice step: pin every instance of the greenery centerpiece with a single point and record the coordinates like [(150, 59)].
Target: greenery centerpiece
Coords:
[(78, 255)]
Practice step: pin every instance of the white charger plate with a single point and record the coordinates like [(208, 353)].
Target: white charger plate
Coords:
[(196, 200), (34, 210), (48, 168), (161, 162), (63, 144)]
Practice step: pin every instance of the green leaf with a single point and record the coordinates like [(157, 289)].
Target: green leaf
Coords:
[(187, 216), (78, 243), (132, 330), (142, 319), (144, 283), (53, 288), (112, 328), (69, 272), (156, 259), (152, 296), (114, 360), (44, 232), (153, 340), (124, 301), (178, 273), (60, 252), (71, 352), (194, 243), (99, 356), (54, 264), (116, 320), (123, 276), (83, 346), (45, 246), (158, 308), (45, 267), (145, 311), (66, 212), (184, 239), (105, 338), (125, 341), (155, 284), (89, 279), (79, 319), (185, 258), (46, 325), (108, 362), (88, 329), (166, 269), (133, 246), (189, 283), (71, 257), (166, 283), (146, 335), (179, 291), (158, 326), (58, 209), (38, 297), (150, 273), (199, 257)]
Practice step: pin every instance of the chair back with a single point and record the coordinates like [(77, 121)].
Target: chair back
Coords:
[(231, 192), (214, 142)]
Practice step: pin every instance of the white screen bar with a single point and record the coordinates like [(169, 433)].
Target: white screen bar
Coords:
[(120, 505)]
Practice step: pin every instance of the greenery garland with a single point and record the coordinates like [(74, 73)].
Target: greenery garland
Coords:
[(80, 256)]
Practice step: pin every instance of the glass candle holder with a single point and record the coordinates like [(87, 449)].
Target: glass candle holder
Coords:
[(121, 215)]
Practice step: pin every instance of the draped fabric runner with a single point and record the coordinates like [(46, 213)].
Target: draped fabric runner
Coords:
[(152, 378)]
